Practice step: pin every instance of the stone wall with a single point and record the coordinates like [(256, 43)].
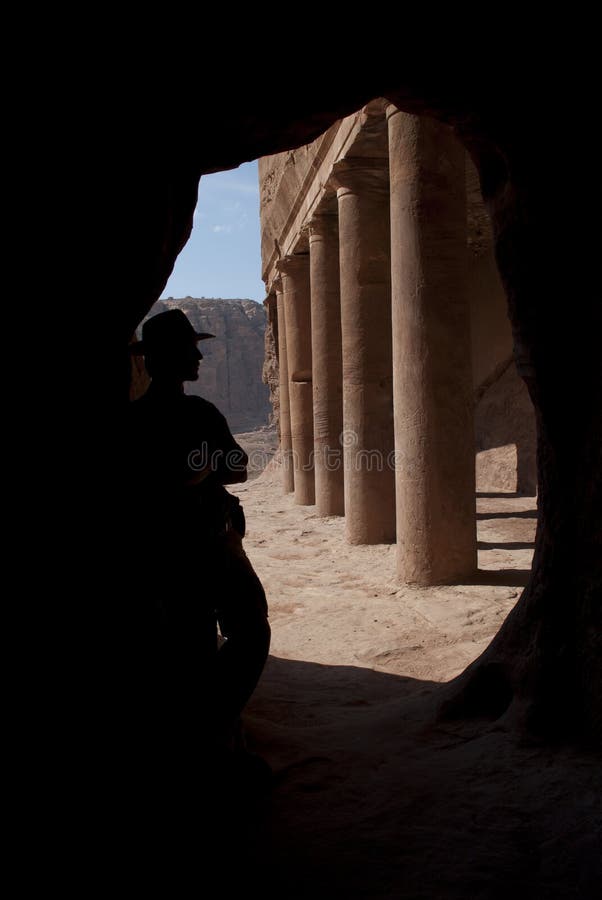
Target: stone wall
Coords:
[(231, 371), (280, 178), (506, 440), (491, 336), (281, 181), (504, 418)]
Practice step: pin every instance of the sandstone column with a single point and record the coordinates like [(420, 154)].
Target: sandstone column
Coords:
[(364, 242), (434, 431), (327, 363), (297, 317), (286, 444)]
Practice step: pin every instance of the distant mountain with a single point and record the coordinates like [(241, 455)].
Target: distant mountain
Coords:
[(231, 371)]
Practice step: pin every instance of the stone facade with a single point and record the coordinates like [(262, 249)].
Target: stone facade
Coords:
[(421, 377)]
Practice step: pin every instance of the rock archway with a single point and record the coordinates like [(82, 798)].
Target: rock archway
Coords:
[(544, 666)]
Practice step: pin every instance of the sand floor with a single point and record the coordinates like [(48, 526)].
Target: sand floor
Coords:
[(372, 797)]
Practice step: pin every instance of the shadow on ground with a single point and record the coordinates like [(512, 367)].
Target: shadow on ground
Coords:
[(512, 514), (499, 577), (505, 545), (373, 800)]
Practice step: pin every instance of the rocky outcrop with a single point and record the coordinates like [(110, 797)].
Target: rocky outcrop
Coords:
[(231, 372), (270, 363), (139, 380)]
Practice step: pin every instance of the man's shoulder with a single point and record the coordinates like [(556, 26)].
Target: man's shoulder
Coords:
[(199, 401), (200, 404), (185, 406)]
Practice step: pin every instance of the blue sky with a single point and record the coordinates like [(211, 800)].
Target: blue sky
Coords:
[(222, 257)]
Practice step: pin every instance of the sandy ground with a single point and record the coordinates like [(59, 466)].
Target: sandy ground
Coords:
[(260, 445), (372, 797)]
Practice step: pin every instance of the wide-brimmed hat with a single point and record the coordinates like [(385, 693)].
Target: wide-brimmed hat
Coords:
[(166, 331)]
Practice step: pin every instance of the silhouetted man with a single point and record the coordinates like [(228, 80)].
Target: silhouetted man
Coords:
[(194, 571)]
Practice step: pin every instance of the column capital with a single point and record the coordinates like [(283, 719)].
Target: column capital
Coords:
[(374, 109), (405, 126), (361, 173), (293, 264), (277, 283), (323, 223), (392, 110)]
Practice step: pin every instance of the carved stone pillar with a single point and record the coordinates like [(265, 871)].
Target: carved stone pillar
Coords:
[(327, 364), (286, 444), (297, 317), (434, 431), (364, 252)]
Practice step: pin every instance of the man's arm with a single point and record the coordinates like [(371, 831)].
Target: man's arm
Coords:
[(232, 468), (229, 461)]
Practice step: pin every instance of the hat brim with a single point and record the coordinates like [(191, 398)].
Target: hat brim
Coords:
[(137, 348)]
